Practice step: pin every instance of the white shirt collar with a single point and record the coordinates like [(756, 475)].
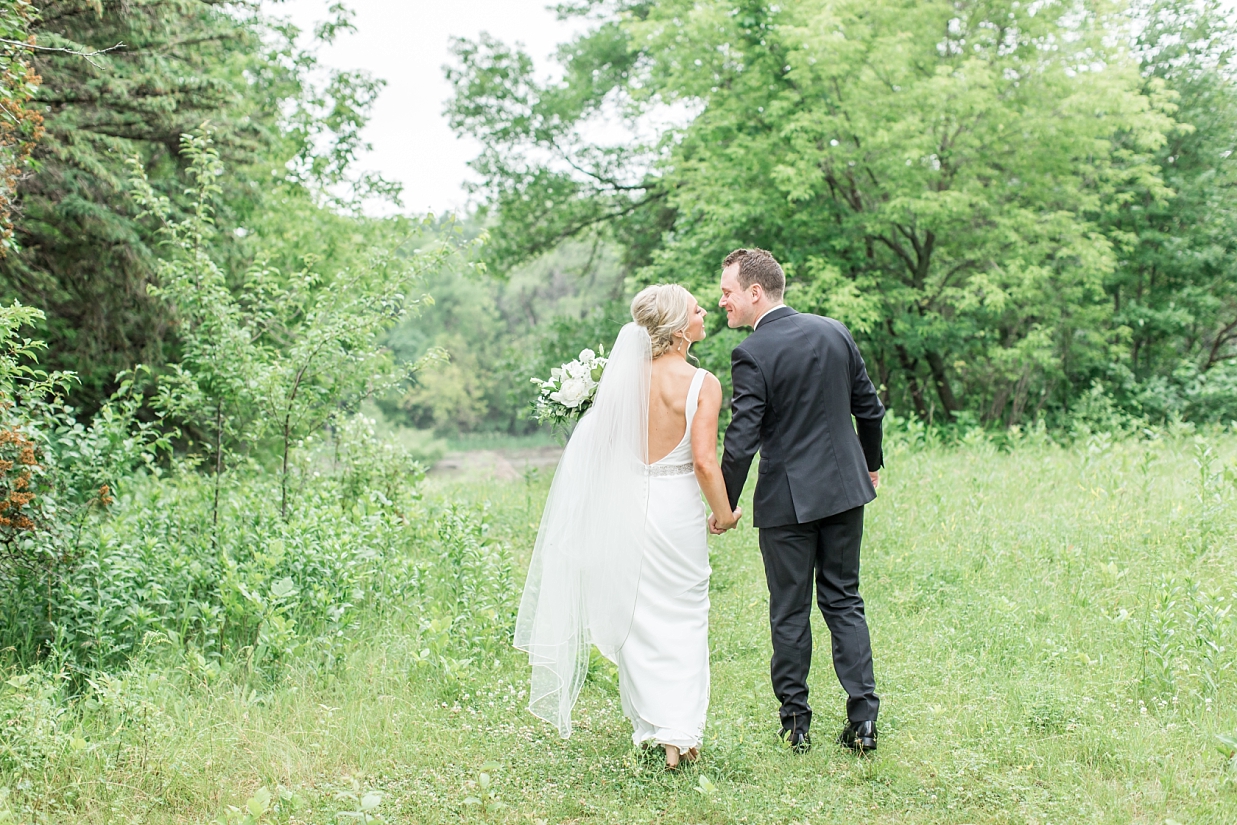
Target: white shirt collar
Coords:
[(763, 314)]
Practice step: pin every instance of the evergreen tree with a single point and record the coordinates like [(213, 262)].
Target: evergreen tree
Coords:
[(83, 257), (20, 125)]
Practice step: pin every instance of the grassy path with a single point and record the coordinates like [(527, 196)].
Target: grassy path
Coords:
[(1053, 644)]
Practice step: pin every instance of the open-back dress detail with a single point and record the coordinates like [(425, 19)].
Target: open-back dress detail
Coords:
[(664, 663)]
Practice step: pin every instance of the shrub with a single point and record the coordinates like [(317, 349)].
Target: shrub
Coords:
[(56, 474)]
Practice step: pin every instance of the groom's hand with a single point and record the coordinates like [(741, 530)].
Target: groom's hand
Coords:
[(717, 527), (876, 479)]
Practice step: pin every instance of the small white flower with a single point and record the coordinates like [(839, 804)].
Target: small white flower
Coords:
[(576, 370), (587, 356)]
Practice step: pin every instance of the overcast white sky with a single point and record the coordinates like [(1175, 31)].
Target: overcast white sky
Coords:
[(405, 43)]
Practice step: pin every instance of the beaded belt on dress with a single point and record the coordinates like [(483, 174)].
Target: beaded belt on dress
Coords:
[(672, 469)]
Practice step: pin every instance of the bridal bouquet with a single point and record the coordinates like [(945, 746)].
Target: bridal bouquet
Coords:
[(570, 390)]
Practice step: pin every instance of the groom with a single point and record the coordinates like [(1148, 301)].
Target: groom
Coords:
[(798, 379)]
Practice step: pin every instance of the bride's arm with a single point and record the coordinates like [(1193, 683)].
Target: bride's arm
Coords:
[(704, 453)]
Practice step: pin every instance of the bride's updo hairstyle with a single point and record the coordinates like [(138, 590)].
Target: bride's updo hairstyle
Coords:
[(662, 309)]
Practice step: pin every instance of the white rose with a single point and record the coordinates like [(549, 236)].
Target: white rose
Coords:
[(576, 370), (572, 393), (587, 356)]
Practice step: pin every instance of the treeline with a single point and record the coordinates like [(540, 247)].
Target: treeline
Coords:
[(496, 331), (1020, 209)]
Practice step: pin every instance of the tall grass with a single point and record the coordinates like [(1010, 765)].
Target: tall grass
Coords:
[(1053, 634)]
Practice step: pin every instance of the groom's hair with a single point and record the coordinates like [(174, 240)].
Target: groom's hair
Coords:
[(758, 266)]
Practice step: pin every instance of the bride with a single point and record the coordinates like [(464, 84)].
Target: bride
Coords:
[(621, 559)]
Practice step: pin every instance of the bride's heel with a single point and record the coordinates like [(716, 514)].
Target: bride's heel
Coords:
[(672, 757)]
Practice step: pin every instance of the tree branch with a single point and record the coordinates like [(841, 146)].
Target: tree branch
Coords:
[(897, 249), (1225, 335), (19, 44)]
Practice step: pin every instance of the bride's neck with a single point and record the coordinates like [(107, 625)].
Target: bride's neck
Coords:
[(670, 353)]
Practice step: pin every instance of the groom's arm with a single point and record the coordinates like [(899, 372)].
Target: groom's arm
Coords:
[(747, 410), (866, 407)]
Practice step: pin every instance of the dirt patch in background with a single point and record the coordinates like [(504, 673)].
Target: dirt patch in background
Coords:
[(499, 465)]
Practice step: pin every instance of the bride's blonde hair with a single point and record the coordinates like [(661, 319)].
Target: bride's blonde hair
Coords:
[(663, 310)]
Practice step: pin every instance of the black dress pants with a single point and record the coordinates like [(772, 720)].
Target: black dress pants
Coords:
[(828, 548)]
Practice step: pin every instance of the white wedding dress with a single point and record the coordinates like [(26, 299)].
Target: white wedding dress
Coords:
[(664, 664), (622, 563)]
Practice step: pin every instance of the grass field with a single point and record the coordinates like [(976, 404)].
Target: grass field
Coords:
[(1053, 636)]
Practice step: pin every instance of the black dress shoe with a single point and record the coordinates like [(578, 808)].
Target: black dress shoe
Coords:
[(858, 736), (797, 740)]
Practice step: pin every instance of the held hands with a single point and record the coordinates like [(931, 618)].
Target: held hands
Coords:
[(719, 525)]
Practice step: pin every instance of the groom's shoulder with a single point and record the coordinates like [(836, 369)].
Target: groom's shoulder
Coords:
[(824, 323), (810, 323)]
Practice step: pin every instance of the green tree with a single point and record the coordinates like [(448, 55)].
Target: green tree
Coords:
[(285, 353), (932, 173), (1173, 290), (216, 386), (288, 142)]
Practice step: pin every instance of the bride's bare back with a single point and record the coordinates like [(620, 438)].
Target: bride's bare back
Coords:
[(671, 379)]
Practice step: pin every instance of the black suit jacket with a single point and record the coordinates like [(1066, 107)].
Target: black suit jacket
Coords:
[(798, 379)]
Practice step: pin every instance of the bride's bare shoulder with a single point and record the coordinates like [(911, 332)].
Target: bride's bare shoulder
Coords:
[(710, 385)]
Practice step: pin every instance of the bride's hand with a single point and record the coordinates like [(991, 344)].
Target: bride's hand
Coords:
[(719, 525)]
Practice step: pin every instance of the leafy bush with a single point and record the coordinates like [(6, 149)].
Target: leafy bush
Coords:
[(31, 710), (381, 465), (222, 566), (1191, 394), (288, 353), (257, 588), (57, 474), (260, 587), (472, 581)]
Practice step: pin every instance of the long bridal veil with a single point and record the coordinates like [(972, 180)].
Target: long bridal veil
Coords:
[(581, 586)]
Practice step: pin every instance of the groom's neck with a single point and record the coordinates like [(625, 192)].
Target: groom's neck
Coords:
[(764, 309)]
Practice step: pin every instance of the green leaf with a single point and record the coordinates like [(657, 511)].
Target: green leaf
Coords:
[(284, 588), (259, 803)]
